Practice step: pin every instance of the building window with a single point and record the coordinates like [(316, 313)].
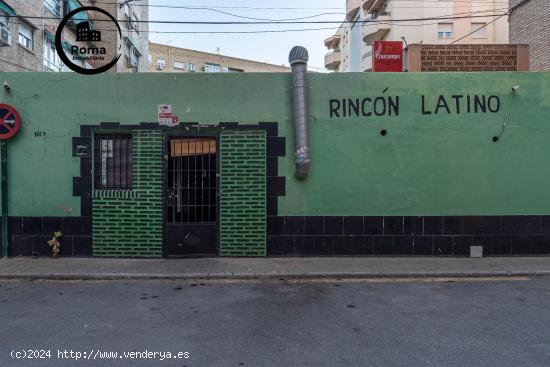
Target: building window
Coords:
[(51, 59), (445, 30), (192, 68), (132, 55), (128, 54), (161, 64), (136, 57), (3, 18), (25, 36), (480, 30), (211, 68), (113, 162), (179, 65), (65, 68), (134, 22), (225, 69), (54, 6)]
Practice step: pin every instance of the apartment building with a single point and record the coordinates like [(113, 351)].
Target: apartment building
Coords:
[(451, 21), (346, 45), (529, 22), (27, 34), (132, 18), (28, 28), (165, 58)]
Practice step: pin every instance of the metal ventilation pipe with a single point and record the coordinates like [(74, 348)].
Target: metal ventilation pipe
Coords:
[(298, 59)]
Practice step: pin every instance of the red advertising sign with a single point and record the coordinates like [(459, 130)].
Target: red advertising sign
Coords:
[(387, 56), (10, 122)]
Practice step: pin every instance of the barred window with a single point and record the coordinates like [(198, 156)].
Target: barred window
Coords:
[(113, 162)]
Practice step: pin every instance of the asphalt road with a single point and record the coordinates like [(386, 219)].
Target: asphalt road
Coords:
[(468, 323)]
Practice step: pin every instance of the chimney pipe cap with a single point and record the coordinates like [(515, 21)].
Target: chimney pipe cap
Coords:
[(298, 55)]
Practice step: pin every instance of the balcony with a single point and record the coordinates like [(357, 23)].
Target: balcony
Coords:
[(333, 60), (366, 62), (333, 42), (371, 6), (377, 31), (352, 7)]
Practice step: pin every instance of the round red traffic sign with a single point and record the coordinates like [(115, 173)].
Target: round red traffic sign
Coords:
[(10, 121)]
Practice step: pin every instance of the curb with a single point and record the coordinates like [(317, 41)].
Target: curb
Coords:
[(268, 276)]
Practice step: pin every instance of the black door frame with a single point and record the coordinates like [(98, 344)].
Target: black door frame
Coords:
[(189, 132)]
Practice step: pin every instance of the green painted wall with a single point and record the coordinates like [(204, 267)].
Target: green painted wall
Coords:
[(441, 164)]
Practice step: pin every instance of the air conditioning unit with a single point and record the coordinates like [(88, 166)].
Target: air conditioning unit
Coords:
[(5, 36), (160, 66)]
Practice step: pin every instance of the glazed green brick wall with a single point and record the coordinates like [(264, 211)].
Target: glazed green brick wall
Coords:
[(243, 193), (132, 226)]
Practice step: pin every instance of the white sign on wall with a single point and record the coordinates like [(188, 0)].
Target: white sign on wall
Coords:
[(165, 116)]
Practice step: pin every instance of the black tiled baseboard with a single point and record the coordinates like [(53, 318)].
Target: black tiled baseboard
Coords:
[(407, 236), (501, 245), (332, 235), (37, 245), (28, 236)]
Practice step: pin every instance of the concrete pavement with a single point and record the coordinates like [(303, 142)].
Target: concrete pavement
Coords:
[(367, 323), (262, 268)]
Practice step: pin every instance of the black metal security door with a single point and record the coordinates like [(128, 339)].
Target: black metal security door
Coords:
[(191, 196)]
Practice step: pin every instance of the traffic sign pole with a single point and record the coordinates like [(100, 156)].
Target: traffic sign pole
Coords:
[(4, 194), (10, 124)]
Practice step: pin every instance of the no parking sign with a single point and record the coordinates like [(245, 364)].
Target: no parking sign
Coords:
[(10, 121)]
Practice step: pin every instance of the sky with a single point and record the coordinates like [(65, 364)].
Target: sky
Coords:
[(265, 47)]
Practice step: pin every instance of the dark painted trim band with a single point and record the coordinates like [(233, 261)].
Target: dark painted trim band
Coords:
[(408, 236)]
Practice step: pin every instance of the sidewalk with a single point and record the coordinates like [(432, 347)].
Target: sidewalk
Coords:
[(265, 268)]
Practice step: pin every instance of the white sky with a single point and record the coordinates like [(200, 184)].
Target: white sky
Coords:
[(266, 47)]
